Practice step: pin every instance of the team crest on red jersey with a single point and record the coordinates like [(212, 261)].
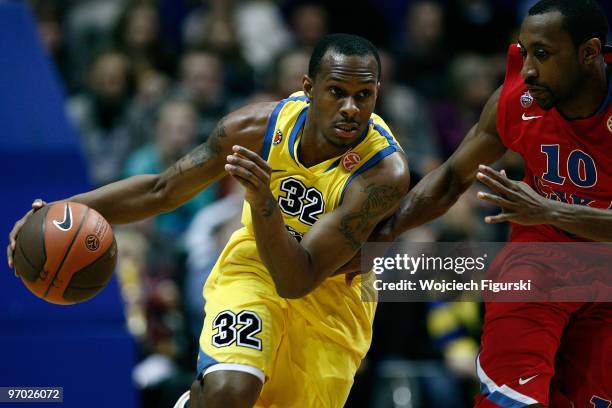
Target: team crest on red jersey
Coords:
[(610, 124), (278, 136), (526, 100), (350, 160)]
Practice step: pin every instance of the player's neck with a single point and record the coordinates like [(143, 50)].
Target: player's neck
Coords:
[(314, 148), (588, 101)]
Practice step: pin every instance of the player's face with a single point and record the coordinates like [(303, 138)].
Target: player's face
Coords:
[(343, 96), (551, 67)]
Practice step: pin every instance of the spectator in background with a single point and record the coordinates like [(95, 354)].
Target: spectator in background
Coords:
[(193, 26), (50, 21), (99, 113), (137, 36), (218, 34), (286, 75), (407, 115), (201, 81), (89, 31), (422, 54), (479, 26), (174, 137), (309, 22), (262, 32), (472, 81), (258, 25)]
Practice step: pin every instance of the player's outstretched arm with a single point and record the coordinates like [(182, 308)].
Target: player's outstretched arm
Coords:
[(143, 196), (140, 197), (297, 268), (441, 188), (522, 205)]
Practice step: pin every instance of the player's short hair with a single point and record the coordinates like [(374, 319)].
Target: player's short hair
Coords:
[(583, 19), (345, 44)]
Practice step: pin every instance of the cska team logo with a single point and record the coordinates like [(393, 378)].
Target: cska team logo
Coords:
[(526, 100), (278, 136), (350, 160), (610, 124)]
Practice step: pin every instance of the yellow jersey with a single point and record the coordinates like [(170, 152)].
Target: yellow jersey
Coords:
[(304, 194)]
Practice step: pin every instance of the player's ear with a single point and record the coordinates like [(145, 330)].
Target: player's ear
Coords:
[(307, 86), (590, 50)]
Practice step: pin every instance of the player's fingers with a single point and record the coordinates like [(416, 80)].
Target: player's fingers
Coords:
[(497, 200), (242, 176), (9, 256), (495, 175), (15, 231), (496, 219), (253, 157), (38, 204), (252, 167), (492, 184), (237, 170)]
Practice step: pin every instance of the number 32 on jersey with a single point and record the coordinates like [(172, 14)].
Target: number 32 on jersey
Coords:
[(305, 202)]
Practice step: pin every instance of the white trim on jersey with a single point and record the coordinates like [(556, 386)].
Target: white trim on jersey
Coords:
[(236, 367), (182, 400), (504, 389)]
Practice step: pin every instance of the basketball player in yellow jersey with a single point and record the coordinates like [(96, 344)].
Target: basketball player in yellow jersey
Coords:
[(320, 171)]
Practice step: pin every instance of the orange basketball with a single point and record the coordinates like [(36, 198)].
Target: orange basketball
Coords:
[(66, 253)]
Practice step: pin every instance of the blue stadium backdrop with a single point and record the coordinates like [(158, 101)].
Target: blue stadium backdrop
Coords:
[(83, 348)]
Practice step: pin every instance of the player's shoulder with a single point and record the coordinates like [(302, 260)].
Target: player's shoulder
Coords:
[(254, 117), (392, 170), (251, 117)]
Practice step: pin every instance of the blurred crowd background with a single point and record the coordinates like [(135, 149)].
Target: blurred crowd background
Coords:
[(146, 81)]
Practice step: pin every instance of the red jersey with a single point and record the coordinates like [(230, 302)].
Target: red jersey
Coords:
[(565, 160)]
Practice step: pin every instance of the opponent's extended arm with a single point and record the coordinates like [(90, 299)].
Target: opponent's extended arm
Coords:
[(521, 204), (441, 188), (297, 268)]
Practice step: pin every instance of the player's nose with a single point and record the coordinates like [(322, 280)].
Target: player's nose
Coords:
[(528, 70), (349, 108)]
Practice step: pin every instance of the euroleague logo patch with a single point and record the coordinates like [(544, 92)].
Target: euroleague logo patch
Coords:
[(92, 242), (278, 136), (526, 100), (610, 124), (351, 160)]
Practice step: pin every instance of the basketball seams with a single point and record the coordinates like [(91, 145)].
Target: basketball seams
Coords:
[(74, 237), (108, 257), (20, 247)]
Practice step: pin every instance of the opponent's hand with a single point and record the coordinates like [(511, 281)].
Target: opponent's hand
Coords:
[(253, 172), (10, 249), (519, 202)]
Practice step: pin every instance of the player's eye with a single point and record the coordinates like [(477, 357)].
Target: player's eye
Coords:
[(337, 92), (540, 54), (364, 94)]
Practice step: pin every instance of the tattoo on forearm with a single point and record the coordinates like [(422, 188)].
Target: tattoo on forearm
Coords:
[(206, 151), (381, 198), (268, 210)]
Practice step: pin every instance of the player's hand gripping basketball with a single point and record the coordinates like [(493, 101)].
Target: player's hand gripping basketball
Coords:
[(253, 173), (519, 202), (10, 249)]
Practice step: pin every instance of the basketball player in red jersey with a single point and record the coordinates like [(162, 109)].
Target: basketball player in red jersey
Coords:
[(555, 109)]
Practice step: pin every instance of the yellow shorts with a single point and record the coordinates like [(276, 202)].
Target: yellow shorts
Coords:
[(247, 323)]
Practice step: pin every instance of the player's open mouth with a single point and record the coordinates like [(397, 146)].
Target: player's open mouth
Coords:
[(346, 130)]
